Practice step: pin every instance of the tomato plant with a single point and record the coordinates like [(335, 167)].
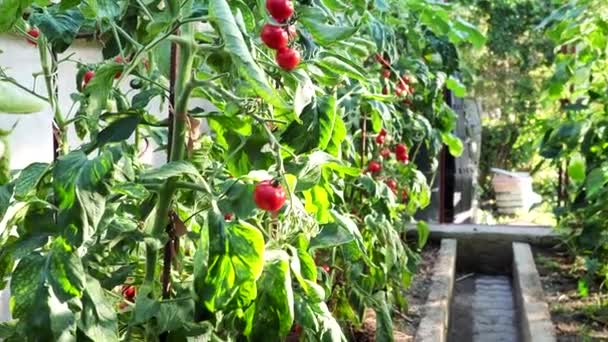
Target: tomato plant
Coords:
[(264, 225), (577, 141)]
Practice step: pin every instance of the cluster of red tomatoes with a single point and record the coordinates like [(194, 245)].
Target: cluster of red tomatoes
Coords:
[(403, 85), (401, 154), (277, 36)]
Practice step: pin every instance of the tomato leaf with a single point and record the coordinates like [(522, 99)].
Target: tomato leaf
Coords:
[(66, 273), (118, 130), (10, 11), (275, 292), (220, 13), (98, 318), (58, 27), (16, 101), (324, 34), (331, 235), (169, 170), (454, 144), (28, 179), (35, 305), (229, 260)]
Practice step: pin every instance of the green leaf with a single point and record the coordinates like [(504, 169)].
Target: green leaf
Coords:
[(331, 235), (98, 319), (98, 90), (238, 198), (8, 328), (58, 27), (66, 273), (596, 180), (321, 128), (317, 203), (118, 130), (173, 315), (456, 87), (80, 180), (384, 322), (274, 306), (34, 304), (313, 19), (28, 179), (229, 261), (342, 67), (454, 144), (351, 227), (221, 15), (169, 170), (577, 168), (10, 11), (13, 100), (423, 233), (103, 9)]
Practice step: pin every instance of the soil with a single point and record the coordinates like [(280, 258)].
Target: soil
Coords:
[(405, 324), (575, 318)]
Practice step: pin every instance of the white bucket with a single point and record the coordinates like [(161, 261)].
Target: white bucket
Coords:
[(513, 191)]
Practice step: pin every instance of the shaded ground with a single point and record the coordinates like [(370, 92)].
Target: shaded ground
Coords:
[(417, 294), (575, 318), (406, 324)]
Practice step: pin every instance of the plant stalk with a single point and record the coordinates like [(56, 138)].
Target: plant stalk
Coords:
[(49, 69), (176, 151)]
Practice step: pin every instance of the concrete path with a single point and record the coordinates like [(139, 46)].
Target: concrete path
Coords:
[(493, 311), (483, 310)]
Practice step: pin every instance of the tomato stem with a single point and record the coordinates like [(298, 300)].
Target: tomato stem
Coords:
[(48, 69)]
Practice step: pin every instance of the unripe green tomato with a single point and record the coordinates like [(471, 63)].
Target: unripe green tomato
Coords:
[(136, 83)]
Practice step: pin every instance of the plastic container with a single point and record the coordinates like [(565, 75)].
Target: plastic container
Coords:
[(513, 191)]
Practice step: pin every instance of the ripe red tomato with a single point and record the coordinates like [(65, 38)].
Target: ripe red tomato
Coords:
[(385, 90), (398, 91), (400, 149), (386, 73), (383, 132), (288, 58), (280, 10), (326, 268), (385, 153), (275, 37), (129, 292), (374, 167), (404, 158), (392, 184), (406, 79), (88, 76), (269, 195), (34, 33), (380, 139), (228, 216)]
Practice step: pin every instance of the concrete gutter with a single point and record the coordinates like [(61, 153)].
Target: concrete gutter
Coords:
[(536, 235), (434, 324), (535, 320)]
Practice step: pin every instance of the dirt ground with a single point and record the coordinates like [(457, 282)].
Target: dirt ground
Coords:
[(575, 318), (406, 324)]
